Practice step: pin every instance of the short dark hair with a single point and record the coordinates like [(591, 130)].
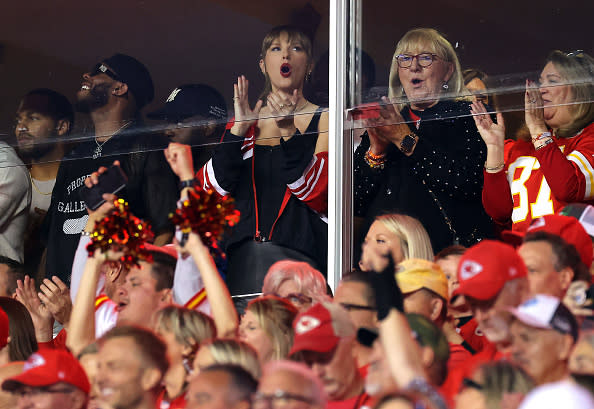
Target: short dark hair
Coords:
[(151, 347), (16, 271), (49, 102), (242, 383), (453, 250), (23, 342), (471, 73), (163, 269), (566, 255), (362, 277)]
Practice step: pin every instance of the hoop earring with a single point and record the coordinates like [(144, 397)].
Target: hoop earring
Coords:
[(445, 85)]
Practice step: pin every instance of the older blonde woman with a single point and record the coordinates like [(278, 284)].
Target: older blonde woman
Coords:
[(421, 154)]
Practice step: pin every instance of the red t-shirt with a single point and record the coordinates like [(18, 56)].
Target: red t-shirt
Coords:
[(458, 355), (538, 183), (472, 335)]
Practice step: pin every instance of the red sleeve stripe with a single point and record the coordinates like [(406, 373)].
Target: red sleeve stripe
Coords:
[(305, 185), (196, 300)]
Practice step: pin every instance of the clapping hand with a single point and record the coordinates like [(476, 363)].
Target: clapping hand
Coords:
[(534, 112), (491, 132), (245, 116), (282, 108)]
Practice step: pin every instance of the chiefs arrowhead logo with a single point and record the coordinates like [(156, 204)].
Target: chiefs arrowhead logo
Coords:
[(469, 269), (306, 323), (34, 361)]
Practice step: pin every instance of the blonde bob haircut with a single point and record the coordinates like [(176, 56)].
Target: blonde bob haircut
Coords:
[(275, 315), (235, 352), (426, 40), (414, 240), (190, 327), (577, 69)]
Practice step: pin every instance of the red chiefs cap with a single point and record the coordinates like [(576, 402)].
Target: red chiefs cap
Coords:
[(566, 227), (486, 267), (48, 367), (320, 328)]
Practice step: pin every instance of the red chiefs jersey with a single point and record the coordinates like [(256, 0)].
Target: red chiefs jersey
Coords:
[(538, 183)]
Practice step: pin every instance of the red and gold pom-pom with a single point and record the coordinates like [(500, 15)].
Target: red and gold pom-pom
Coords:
[(206, 214), (121, 231)]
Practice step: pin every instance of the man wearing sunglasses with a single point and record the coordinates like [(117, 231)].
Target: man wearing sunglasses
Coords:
[(112, 93)]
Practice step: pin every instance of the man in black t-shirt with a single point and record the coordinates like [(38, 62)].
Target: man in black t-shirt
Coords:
[(112, 93)]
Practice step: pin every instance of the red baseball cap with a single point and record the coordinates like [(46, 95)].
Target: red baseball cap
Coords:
[(4, 329), (486, 267), (566, 227), (48, 367), (316, 329)]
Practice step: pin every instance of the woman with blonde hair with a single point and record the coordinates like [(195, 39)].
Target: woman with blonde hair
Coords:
[(402, 236), (297, 282), (183, 330), (267, 326), (228, 351), (421, 154), (528, 179)]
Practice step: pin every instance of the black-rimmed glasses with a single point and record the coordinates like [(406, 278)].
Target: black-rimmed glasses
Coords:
[(424, 59)]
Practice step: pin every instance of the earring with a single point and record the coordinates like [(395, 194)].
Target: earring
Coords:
[(308, 77), (445, 85)]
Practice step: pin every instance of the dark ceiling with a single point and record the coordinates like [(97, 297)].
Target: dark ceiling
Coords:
[(51, 43)]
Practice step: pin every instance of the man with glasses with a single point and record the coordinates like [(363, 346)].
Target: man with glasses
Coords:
[(289, 385), (51, 379), (221, 386), (355, 294), (112, 93), (324, 341)]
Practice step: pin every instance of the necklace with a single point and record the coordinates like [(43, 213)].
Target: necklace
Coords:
[(99, 148), (36, 188)]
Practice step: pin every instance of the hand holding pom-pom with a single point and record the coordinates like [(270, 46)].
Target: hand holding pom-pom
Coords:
[(122, 232), (204, 213)]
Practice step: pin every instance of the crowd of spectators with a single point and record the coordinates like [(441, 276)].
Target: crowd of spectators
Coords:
[(473, 288)]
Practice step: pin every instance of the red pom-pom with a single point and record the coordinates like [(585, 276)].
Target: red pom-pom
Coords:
[(121, 231), (206, 214)]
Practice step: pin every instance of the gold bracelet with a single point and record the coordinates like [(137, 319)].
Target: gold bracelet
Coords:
[(494, 168)]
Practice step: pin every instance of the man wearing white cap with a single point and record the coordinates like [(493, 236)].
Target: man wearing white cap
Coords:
[(543, 335)]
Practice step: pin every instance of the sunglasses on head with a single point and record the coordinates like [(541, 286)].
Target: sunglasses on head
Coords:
[(101, 68)]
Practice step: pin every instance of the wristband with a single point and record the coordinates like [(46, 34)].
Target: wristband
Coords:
[(541, 136), (187, 183), (494, 168), (547, 142)]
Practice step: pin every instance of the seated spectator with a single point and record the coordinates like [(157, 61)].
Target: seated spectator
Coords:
[(267, 327), (324, 340), (52, 378), (297, 282), (355, 294), (290, 384), (10, 272), (132, 363), (196, 115), (15, 201), (556, 250), (113, 93), (403, 236), (492, 385), (183, 331), (581, 362), (459, 317), (227, 351), (425, 291), (44, 120), (222, 386), (433, 352), (542, 338)]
